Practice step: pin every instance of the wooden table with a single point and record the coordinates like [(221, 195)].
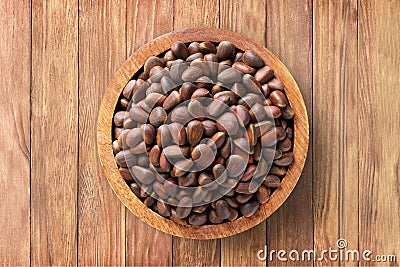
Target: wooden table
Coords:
[(57, 58)]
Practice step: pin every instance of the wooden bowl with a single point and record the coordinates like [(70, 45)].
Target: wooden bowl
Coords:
[(104, 134)]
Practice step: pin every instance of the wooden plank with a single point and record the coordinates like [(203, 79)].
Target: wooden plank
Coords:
[(101, 233), (379, 116), (242, 249), (145, 245), (15, 48), (202, 13), (289, 36), (54, 129), (147, 20), (247, 18), (196, 13), (335, 128), (190, 252), (348, 166)]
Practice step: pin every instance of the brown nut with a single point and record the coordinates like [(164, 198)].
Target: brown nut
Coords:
[(285, 160), (176, 152), (125, 173), (181, 167), (154, 155), (172, 100), (219, 173), (188, 180), (195, 56), (278, 98), (119, 117), (180, 114), (251, 84), (225, 50), (196, 109), (210, 127), (222, 209), (193, 48), (230, 75), (197, 219), (244, 68), (157, 116), (264, 74), (136, 113), (159, 190), (191, 74), (178, 133), (287, 113), (218, 139), (201, 92), (225, 149), (148, 133), (129, 89), (272, 181), (202, 154), (275, 84), (263, 194), (180, 50), (169, 56), (285, 145), (239, 90), (150, 63), (252, 59), (177, 70), (249, 208), (134, 137), (170, 187), (229, 123), (213, 218), (163, 137), (207, 47), (194, 131), (236, 165), (184, 207), (163, 208), (270, 138), (144, 175), (186, 91)]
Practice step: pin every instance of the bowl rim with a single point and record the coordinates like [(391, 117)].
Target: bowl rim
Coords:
[(104, 134)]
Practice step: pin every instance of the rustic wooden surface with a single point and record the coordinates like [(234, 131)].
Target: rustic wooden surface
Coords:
[(57, 59)]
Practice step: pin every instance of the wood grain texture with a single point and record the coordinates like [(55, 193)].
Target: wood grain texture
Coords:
[(101, 233), (190, 252), (247, 18), (335, 143), (144, 244), (242, 249), (354, 187), (186, 252), (54, 132), (291, 227), (147, 20), (202, 13), (15, 51), (379, 116)]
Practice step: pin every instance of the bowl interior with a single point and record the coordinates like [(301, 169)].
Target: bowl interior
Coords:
[(104, 134)]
